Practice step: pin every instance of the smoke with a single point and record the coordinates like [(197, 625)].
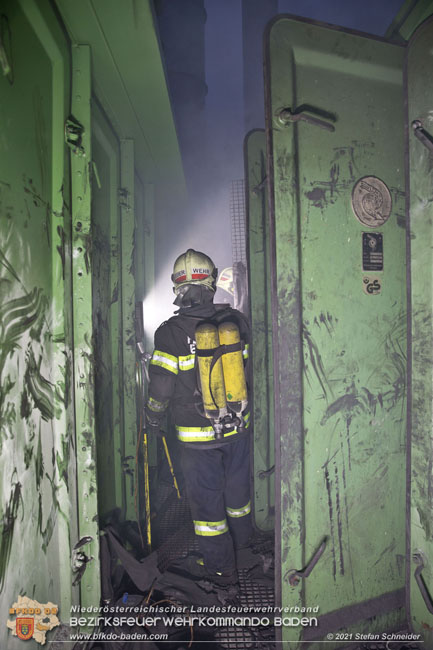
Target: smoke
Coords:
[(205, 227), (211, 132)]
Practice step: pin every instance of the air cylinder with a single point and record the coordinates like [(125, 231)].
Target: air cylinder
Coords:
[(233, 369), (212, 382)]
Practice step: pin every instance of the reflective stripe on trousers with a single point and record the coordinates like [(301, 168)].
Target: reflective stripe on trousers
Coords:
[(210, 528), (239, 512)]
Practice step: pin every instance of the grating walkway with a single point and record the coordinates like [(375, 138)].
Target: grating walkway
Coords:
[(175, 533), (176, 537)]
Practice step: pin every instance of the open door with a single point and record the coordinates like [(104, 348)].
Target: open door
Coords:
[(419, 69), (335, 137)]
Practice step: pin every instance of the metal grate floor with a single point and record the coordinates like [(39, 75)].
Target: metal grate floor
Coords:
[(235, 637), (175, 532), (253, 594)]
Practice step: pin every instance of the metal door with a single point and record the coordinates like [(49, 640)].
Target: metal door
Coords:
[(261, 328), (419, 88), (336, 168)]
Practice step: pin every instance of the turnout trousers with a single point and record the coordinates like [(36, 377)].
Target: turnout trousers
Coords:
[(218, 488)]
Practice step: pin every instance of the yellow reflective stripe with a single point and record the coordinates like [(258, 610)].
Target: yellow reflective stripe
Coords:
[(164, 360), (245, 351), (210, 528), (239, 512), (187, 362), (195, 434), (247, 417), (198, 434)]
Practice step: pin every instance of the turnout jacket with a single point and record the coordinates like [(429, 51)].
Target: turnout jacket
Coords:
[(173, 373)]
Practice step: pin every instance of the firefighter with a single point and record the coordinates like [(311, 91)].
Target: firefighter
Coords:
[(214, 450)]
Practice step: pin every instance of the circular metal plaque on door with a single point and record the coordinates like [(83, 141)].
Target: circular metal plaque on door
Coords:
[(371, 201)]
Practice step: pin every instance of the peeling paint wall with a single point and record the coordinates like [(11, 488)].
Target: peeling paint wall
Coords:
[(37, 458)]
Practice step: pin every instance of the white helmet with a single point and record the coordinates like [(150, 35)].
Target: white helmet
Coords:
[(194, 267)]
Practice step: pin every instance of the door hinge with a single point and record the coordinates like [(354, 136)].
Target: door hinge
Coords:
[(79, 559), (422, 135), (74, 135)]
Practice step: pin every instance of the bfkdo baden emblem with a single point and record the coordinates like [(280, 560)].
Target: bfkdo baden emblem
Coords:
[(33, 619), (25, 628)]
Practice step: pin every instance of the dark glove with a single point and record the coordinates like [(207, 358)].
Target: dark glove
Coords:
[(153, 424)]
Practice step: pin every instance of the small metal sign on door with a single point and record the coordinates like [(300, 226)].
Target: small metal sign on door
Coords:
[(372, 251), (372, 285)]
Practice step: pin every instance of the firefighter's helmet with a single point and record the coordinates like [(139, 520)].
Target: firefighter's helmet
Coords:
[(194, 267)]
